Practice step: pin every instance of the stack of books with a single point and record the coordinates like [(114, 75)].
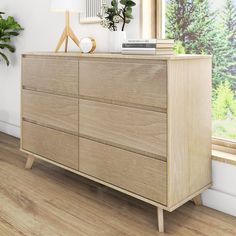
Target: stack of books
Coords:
[(165, 47), (148, 46)]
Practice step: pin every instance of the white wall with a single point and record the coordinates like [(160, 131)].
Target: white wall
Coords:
[(222, 195), (42, 31)]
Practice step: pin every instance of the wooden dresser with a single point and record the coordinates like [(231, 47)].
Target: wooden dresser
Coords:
[(138, 124)]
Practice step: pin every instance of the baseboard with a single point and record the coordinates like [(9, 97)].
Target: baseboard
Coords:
[(220, 201), (10, 129)]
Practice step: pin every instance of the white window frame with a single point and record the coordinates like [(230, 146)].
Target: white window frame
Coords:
[(152, 18)]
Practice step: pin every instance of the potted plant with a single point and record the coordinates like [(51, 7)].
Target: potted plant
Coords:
[(115, 17), (8, 28)]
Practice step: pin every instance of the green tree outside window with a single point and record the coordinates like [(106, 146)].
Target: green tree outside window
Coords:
[(198, 28)]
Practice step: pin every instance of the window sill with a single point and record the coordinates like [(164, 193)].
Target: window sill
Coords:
[(224, 157)]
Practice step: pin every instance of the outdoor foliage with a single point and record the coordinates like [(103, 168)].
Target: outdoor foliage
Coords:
[(198, 29), (229, 24), (224, 106), (8, 28)]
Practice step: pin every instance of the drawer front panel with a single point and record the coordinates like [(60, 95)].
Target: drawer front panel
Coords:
[(133, 172), (136, 83), (52, 110), (141, 130), (51, 144), (58, 75)]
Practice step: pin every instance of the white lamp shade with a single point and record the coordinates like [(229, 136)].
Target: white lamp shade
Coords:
[(68, 5)]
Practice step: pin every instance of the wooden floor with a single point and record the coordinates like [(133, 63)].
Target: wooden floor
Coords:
[(49, 201)]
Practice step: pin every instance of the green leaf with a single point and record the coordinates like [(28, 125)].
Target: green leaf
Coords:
[(128, 15), (9, 28), (114, 3), (129, 9), (5, 58), (130, 3), (123, 2), (8, 46)]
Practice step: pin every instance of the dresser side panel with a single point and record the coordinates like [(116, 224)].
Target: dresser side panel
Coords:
[(189, 128)]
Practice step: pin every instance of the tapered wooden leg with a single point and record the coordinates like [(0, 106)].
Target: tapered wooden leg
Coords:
[(198, 200), (160, 218), (62, 39), (66, 44), (29, 162), (73, 37)]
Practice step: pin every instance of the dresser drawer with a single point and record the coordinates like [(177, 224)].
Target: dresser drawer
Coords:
[(58, 75), (51, 110), (130, 128), (51, 144), (133, 172), (135, 83)]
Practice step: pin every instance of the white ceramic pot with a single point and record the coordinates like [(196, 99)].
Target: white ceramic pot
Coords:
[(116, 38)]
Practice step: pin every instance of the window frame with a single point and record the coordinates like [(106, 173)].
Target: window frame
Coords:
[(224, 145), (153, 13), (152, 18)]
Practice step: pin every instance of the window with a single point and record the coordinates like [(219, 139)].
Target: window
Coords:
[(203, 27)]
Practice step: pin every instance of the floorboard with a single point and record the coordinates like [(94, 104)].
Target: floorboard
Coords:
[(50, 201)]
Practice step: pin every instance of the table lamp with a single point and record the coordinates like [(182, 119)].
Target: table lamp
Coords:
[(67, 6)]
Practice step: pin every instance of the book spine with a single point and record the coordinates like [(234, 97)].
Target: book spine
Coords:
[(152, 41), (164, 41), (139, 45), (138, 52), (139, 49)]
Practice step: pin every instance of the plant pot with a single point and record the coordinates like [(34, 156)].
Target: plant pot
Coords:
[(116, 38)]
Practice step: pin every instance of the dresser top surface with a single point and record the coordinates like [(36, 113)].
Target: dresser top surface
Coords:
[(118, 56)]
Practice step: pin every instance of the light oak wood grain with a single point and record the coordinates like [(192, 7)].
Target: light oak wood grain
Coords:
[(224, 145), (67, 34), (51, 110), (198, 200), (134, 195), (155, 110), (189, 128), (139, 129), (160, 218), (55, 145), (29, 162), (104, 55), (133, 172), (56, 74), (51, 201), (224, 157), (130, 82)]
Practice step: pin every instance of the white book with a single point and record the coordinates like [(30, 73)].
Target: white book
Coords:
[(165, 45), (165, 41), (139, 49), (141, 41), (139, 52)]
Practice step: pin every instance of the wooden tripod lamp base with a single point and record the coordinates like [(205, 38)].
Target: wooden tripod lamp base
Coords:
[(67, 33)]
